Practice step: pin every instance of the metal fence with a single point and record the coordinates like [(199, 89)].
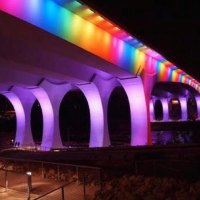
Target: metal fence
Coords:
[(74, 182)]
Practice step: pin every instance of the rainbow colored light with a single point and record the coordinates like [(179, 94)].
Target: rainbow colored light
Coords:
[(78, 24)]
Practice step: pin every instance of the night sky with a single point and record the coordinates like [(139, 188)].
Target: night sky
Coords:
[(172, 27)]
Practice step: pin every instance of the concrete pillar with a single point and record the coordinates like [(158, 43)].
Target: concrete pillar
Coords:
[(27, 100), (151, 110), (105, 87), (138, 110), (96, 114), (20, 116), (149, 79), (165, 107), (48, 117), (56, 93), (197, 98), (183, 104), (134, 90)]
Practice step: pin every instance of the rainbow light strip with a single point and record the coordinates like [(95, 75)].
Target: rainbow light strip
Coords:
[(78, 24)]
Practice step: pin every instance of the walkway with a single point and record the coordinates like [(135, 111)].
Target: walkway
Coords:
[(17, 189)]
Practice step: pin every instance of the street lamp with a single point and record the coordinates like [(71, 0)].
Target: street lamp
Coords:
[(29, 183)]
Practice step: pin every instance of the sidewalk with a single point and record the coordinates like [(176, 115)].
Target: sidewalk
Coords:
[(14, 195), (18, 190)]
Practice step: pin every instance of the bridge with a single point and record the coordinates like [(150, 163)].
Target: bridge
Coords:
[(52, 47)]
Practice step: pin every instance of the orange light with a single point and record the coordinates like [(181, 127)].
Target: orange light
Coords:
[(174, 101)]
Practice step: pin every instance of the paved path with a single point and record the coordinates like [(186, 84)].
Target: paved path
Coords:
[(14, 195), (17, 188)]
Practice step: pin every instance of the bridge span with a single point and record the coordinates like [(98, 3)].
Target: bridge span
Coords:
[(52, 47)]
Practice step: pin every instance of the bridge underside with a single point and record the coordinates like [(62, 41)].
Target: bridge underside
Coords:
[(37, 66)]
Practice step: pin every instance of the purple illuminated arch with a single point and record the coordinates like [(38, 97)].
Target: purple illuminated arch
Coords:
[(105, 87), (158, 109), (165, 107), (183, 104), (96, 114), (192, 108), (138, 110), (57, 92), (175, 112), (48, 117), (20, 116), (197, 98), (27, 99), (151, 109)]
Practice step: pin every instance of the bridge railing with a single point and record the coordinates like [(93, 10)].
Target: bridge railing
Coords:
[(78, 181)]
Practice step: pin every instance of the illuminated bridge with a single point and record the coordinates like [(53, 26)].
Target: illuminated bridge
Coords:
[(53, 48)]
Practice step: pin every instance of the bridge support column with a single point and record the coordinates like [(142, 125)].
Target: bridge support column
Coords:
[(27, 100), (197, 98), (20, 116), (105, 87), (96, 114), (165, 108), (48, 116), (138, 110), (183, 104), (134, 90), (149, 79), (151, 110), (56, 93)]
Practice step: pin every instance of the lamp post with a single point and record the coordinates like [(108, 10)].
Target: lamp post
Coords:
[(29, 183)]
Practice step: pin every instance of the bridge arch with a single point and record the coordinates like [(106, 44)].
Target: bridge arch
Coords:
[(134, 91), (197, 98), (151, 110), (192, 109), (20, 116), (27, 96), (118, 117), (74, 119), (158, 110), (56, 93)]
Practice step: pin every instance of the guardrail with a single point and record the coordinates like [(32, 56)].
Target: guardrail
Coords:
[(80, 175)]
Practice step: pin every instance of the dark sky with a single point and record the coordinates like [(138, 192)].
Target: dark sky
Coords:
[(170, 27)]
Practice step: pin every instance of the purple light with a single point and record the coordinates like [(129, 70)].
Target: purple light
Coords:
[(48, 117), (183, 104), (138, 110), (151, 109), (96, 114), (56, 94), (198, 106), (165, 108), (20, 116), (27, 99)]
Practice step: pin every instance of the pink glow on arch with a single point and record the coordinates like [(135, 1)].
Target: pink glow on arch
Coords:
[(20, 116), (197, 98), (165, 107), (151, 110), (48, 117), (183, 104), (138, 110), (96, 114)]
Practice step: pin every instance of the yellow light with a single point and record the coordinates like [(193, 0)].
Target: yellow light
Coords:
[(175, 101), (89, 11), (99, 19)]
